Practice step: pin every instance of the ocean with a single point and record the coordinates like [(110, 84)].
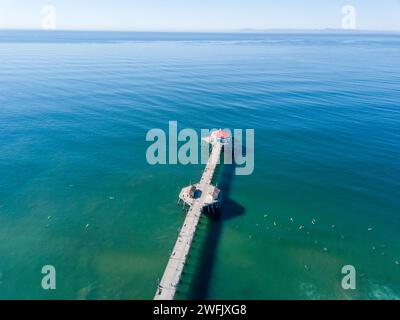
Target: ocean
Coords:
[(77, 193)]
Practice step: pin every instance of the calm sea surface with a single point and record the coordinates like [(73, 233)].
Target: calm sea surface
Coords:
[(76, 191)]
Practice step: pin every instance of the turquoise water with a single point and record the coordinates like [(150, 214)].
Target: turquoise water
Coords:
[(76, 191)]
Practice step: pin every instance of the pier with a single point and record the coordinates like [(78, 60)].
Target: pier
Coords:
[(199, 197)]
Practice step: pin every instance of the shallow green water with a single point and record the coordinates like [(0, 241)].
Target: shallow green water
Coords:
[(76, 191)]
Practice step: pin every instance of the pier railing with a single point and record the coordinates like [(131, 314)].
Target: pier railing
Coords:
[(207, 199)]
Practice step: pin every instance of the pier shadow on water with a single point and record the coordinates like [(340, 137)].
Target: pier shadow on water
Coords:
[(206, 249)]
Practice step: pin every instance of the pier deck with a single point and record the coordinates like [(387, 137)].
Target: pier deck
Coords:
[(173, 272)]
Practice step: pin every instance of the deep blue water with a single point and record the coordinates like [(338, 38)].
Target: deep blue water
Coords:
[(76, 191)]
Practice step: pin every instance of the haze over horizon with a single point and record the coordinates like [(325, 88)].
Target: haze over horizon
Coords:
[(179, 15)]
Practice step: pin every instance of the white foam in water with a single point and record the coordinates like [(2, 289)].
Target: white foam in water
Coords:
[(310, 290), (382, 292)]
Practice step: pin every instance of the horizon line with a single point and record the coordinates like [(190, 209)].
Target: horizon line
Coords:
[(242, 30)]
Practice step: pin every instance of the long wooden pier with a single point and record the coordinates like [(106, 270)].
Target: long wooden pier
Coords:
[(198, 197)]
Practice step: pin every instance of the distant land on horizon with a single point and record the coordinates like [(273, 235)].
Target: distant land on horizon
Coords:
[(326, 30)]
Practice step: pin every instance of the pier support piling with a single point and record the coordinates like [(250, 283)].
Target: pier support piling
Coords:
[(174, 270)]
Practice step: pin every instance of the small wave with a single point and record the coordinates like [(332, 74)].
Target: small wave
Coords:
[(310, 290), (382, 292)]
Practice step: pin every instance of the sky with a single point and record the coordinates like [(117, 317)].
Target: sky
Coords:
[(198, 15)]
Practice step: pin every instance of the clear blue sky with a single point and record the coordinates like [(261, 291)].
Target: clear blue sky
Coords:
[(199, 15)]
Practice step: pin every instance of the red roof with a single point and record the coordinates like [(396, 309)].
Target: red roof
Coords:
[(220, 134)]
